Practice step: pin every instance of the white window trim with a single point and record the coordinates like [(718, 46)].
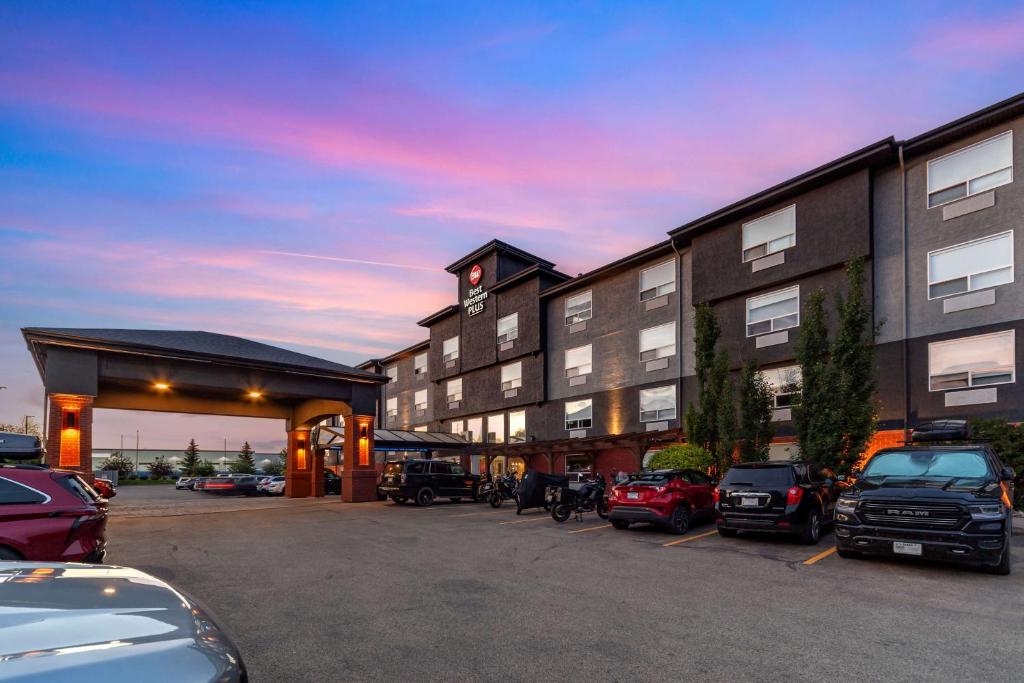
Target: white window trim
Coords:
[(775, 390), (576, 367), (642, 351), (928, 170), (508, 437), (658, 416), (565, 308), (452, 355), (420, 370), (970, 373), (512, 334), (514, 383), (420, 406), (590, 420), (746, 327), (452, 397), (969, 276), (767, 252), (388, 410), (657, 290)]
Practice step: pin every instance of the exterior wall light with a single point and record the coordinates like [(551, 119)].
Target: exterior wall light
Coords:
[(161, 386), (300, 453), (255, 394)]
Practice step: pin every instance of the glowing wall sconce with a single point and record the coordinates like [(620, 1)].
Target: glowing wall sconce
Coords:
[(161, 386), (70, 419), (364, 444), (300, 453), (70, 439)]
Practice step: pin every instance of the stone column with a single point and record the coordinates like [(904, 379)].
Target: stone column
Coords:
[(359, 479), (69, 433), (299, 473)]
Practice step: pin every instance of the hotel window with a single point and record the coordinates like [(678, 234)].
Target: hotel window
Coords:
[(454, 390), (392, 406), (971, 361), (658, 403), (578, 361), (773, 312), (475, 427), (392, 372), (421, 428), (517, 426), (508, 328), (496, 428), (579, 308), (785, 383), (971, 170), (974, 265), (769, 234), (658, 280), (579, 414), (511, 376), (419, 363), (420, 400), (456, 427), (450, 349), (658, 342)]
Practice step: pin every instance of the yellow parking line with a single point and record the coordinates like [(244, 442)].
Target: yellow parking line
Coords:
[(524, 521), (482, 512), (690, 538), (820, 556), (593, 528)]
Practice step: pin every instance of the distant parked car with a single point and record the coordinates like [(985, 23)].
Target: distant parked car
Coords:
[(184, 483), (50, 516), (115, 624), (332, 483), (198, 483), (104, 487), (787, 497), (274, 487), (672, 499), (244, 484)]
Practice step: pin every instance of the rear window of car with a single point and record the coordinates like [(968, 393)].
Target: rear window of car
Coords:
[(759, 476), (393, 468), (13, 493), (653, 478), (77, 487)]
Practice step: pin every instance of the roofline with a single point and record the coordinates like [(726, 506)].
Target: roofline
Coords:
[(418, 346), (499, 246), (525, 274), (438, 315), (36, 337), (607, 269), (872, 155), (965, 125)]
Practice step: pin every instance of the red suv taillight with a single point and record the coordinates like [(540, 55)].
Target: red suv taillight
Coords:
[(793, 495), (715, 494)]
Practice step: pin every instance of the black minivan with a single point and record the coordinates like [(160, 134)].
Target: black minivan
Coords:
[(785, 497), (424, 480)]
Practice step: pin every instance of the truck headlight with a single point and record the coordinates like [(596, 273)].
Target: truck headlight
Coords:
[(846, 505), (986, 512)]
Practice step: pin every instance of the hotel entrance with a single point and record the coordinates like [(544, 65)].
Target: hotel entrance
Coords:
[(502, 464)]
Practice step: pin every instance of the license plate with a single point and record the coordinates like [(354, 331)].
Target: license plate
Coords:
[(632, 495), (901, 548), (750, 502)]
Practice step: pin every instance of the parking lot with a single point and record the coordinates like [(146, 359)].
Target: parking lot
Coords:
[(376, 591)]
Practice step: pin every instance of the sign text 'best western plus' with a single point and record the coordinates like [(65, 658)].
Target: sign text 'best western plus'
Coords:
[(475, 297)]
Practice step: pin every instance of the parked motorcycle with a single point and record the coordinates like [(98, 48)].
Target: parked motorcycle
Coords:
[(565, 501), (505, 488), (485, 489)]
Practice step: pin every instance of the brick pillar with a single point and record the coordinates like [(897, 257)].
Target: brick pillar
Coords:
[(69, 434), (359, 478), (316, 480), (299, 473)]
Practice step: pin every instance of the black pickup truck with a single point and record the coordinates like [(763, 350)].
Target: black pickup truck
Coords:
[(942, 497)]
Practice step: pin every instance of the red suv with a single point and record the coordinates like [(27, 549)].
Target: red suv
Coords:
[(50, 516), (670, 498)]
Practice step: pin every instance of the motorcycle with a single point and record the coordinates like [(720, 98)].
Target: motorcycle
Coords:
[(505, 488), (565, 501)]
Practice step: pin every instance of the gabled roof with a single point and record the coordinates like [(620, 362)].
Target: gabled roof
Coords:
[(659, 249), (438, 315), (189, 344), (497, 245), (964, 126), (527, 273)]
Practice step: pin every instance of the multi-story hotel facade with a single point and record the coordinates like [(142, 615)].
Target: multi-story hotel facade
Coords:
[(594, 372)]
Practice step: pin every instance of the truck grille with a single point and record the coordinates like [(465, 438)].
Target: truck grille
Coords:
[(919, 516)]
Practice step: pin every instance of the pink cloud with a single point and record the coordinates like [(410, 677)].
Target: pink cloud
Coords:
[(972, 44)]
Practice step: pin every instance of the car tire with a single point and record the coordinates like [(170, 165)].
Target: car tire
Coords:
[(560, 513), (9, 554), (848, 554), (425, 497), (679, 523), (811, 533), (1003, 568), (727, 533), (620, 524)]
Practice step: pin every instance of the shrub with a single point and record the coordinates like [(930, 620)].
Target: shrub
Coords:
[(160, 468), (682, 457), (1008, 441), (204, 469), (120, 463)]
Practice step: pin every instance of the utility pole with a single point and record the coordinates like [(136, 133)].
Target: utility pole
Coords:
[(136, 451), (27, 418)]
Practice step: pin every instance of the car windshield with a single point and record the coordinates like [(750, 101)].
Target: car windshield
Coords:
[(925, 464), (759, 476), (652, 479)]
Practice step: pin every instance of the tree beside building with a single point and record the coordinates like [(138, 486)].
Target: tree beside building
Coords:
[(245, 463), (191, 459), (757, 402)]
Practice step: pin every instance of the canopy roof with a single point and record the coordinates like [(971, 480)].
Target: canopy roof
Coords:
[(395, 440)]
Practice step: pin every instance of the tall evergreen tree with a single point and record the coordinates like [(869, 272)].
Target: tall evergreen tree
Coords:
[(814, 417), (191, 459), (756, 406), (245, 463), (701, 422), (725, 415)]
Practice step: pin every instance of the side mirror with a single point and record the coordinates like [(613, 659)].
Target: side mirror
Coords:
[(1008, 474)]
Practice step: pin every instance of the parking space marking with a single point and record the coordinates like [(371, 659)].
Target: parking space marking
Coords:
[(593, 528), (482, 512), (690, 538), (525, 521), (820, 556)]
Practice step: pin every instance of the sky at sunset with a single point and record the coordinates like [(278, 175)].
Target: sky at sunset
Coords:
[(300, 173)]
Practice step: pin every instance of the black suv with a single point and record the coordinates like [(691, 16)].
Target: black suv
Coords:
[(941, 501), (424, 480), (788, 497)]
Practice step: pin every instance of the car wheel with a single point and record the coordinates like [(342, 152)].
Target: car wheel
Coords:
[(726, 533), (9, 554), (812, 528), (680, 521), (425, 497), (620, 524), (847, 554), (560, 513), (1003, 568)]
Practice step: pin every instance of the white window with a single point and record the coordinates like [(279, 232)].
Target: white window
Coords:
[(658, 403), (454, 390), (971, 361), (579, 414), (475, 427), (578, 361), (517, 426), (971, 170), (419, 363), (974, 265), (769, 234), (508, 328), (511, 376), (579, 307), (392, 406), (456, 426), (450, 349), (420, 399), (392, 372), (785, 383), (773, 312), (496, 428), (658, 280), (421, 428), (658, 342)]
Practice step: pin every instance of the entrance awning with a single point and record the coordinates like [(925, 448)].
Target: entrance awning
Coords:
[(395, 440)]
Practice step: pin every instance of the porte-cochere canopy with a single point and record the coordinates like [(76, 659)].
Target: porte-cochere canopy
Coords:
[(203, 373)]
